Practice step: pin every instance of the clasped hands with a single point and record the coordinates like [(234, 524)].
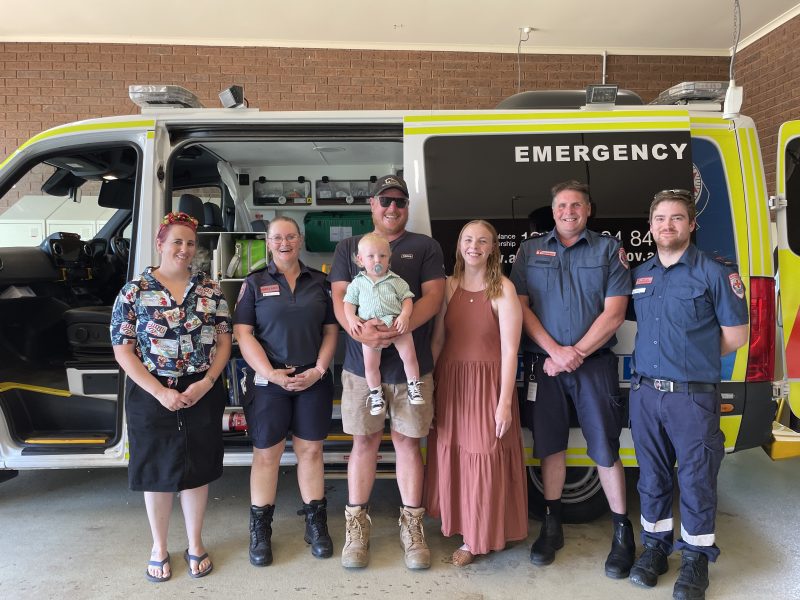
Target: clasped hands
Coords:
[(173, 400), (563, 359)]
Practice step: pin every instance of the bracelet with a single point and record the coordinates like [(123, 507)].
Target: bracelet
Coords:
[(321, 371)]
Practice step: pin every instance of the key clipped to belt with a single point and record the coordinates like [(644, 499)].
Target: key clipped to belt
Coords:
[(532, 384)]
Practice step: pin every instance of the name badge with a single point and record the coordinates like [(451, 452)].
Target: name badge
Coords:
[(545, 253), (271, 290), (532, 387), (638, 290)]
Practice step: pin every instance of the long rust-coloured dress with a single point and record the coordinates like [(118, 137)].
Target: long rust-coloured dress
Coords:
[(474, 482)]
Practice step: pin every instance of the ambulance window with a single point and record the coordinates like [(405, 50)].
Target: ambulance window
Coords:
[(793, 194)]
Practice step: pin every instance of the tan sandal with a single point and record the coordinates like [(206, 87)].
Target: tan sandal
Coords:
[(461, 558)]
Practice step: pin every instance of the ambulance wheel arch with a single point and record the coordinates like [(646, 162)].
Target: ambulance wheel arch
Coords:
[(583, 499)]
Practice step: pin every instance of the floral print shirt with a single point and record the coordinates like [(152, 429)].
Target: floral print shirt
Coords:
[(171, 339)]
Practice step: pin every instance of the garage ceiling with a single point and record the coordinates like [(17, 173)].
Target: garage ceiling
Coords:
[(694, 27)]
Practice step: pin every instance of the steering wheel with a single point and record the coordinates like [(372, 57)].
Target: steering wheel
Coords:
[(121, 248)]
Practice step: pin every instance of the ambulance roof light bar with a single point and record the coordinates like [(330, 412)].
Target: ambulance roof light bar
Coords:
[(163, 96), (693, 91)]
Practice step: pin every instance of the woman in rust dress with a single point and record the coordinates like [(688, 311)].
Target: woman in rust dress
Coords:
[(475, 477)]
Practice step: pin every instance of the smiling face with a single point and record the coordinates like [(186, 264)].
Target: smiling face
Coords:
[(476, 244), (177, 247), (284, 241), (671, 226), (571, 210), (374, 256), (390, 221)]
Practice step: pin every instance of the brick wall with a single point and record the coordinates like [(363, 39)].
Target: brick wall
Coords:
[(769, 70), (48, 84)]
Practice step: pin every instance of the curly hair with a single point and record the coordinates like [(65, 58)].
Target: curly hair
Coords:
[(494, 272)]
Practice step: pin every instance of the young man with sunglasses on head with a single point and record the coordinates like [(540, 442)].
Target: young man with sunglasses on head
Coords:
[(419, 261), (690, 310)]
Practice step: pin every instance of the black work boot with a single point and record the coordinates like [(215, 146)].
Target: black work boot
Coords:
[(316, 513), (692, 581), (651, 564), (261, 535), (623, 551), (551, 538)]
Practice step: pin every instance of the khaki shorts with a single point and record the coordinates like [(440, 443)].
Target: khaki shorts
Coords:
[(411, 420)]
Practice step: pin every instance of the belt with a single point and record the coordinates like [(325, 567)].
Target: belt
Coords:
[(297, 368), (665, 385)]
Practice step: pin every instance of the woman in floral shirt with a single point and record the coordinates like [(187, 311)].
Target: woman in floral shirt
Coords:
[(171, 332)]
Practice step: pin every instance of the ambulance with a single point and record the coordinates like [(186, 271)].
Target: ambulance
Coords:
[(86, 199)]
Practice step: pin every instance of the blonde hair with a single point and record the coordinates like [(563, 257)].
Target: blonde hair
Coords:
[(372, 238), (494, 272)]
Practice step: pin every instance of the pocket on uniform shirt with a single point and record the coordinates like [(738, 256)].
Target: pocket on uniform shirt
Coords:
[(592, 274), (683, 309), (541, 275)]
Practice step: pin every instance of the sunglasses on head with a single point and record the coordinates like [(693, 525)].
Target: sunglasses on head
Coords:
[(685, 194), (386, 201)]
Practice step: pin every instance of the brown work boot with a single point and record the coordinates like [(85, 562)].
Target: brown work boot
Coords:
[(412, 538), (355, 553)]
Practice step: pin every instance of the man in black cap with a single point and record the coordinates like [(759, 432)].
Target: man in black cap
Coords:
[(418, 260)]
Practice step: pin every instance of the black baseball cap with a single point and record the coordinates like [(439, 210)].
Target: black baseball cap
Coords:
[(387, 182)]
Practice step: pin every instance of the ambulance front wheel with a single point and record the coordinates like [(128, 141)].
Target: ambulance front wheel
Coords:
[(583, 499)]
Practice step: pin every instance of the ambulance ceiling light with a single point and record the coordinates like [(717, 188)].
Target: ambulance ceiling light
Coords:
[(163, 96)]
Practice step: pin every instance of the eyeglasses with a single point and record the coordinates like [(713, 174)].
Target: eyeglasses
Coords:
[(386, 201), (685, 194), (278, 239)]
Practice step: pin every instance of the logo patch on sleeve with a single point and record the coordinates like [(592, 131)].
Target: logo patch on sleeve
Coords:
[(736, 285), (623, 258)]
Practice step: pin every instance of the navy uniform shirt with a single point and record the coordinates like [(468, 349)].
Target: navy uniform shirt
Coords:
[(679, 311), (288, 324), (567, 286), (417, 259)]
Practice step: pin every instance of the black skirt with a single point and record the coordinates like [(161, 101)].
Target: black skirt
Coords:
[(178, 450)]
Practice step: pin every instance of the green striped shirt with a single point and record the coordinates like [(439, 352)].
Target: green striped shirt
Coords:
[(382, 299)]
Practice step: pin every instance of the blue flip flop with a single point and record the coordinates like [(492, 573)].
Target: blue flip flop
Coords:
[(160, 564), (198, 559)]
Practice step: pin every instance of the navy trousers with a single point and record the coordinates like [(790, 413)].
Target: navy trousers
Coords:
[(670, 426)]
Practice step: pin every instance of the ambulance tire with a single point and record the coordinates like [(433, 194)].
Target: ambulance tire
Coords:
[(583, 499)]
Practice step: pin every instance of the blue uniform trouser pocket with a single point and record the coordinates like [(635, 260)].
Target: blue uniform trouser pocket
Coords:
[(670, 427)]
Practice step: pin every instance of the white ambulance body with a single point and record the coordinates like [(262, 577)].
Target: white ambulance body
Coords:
[(61, 396)]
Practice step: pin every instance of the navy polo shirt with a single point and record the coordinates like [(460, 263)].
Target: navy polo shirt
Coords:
[(567, 286), (417, 259), (288, 324), (679, 312)]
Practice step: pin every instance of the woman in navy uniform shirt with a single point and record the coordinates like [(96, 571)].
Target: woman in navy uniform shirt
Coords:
[(287, 333), (171, 333)]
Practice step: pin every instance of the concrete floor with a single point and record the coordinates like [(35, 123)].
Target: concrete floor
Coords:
[(82, 534)]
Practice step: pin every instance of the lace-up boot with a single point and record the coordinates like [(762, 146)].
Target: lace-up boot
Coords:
[(316, 513), (412, 538), (692, 581), (261, 535), (356, 537)]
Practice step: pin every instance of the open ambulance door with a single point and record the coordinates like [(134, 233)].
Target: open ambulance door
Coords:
[(786, 204)]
